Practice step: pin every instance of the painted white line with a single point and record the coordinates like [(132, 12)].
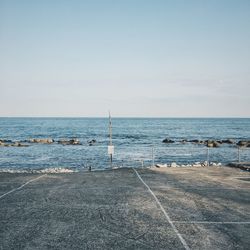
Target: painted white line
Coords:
[(164, 212), (203, 188), (26, 183), (241, 177), (212, 222)]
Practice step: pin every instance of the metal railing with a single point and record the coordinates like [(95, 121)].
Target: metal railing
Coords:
[(149, 156)]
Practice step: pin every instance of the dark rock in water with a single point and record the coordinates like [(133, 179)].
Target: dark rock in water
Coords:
[(92, 142), (243, 143), (194, 141), (229, 141), (74, 142), (15, 144), (62, 142), (167, 141), (70, 142), (184, 141), (212, 144), (18, 144), (197, 141), (5, 141)]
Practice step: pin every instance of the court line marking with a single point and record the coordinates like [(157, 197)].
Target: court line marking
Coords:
[(23, 185), (241, 177), (164, 212), (204, 188), (212, 222)]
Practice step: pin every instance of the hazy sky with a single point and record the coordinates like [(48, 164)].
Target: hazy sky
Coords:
[(153, 58)]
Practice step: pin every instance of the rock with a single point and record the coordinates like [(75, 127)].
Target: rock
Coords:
[(194, 141), (216, 144), (229, 141), (161, 165), (5, 141), (43, 141), (173, 165), (63, 142), (197, 141), (196, 165), (205, 164), (3, 144), (74, 142), (70, 142), (167, 141), (243, 143), (18, 144), (212, 144), (184, 141), (92, 142), (216, 164)]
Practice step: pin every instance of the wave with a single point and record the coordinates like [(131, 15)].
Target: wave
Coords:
[(38, 171)]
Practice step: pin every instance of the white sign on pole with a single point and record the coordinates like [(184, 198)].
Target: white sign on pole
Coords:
[(110, 150)]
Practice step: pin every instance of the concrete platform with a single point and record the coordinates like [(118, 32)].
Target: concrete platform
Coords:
[(170, 208)]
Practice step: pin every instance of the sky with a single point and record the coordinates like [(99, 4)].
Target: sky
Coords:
[(136, 58)]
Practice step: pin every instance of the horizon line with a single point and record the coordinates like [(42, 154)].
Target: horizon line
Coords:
[(136, 117)]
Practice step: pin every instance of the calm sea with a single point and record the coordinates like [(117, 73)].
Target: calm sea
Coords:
[(135, 139)]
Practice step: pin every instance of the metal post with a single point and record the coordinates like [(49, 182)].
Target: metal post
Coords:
[(110, 138), (142, 163), (208, 156), (238, 154), (153, 159), (110, 130)]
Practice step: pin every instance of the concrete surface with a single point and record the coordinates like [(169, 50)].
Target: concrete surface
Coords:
[(209, 207)]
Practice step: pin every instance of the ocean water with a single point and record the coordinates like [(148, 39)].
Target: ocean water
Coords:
[(137, 141)]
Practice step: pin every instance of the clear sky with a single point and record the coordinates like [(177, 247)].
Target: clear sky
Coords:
[(153, 58)]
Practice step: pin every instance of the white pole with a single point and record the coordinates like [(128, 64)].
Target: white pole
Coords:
[(153, 160), (208, 156), (238, 154), (110, 130), (110, 138)]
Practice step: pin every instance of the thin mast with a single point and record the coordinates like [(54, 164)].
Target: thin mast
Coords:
[(110, 140), (110, 130)]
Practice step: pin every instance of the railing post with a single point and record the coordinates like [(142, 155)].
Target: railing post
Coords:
[(208, 156), (142, 163), (238, 154), (153, 160)]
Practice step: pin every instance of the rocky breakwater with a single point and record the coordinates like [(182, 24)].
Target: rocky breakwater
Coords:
[(168, 141), (9, 143), (28, 142), (243, 144), (92, 142), (73, 141), (209, 143), (70, 142), (42, 141)]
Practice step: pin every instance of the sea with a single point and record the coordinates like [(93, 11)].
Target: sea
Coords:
[(137, 142)]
